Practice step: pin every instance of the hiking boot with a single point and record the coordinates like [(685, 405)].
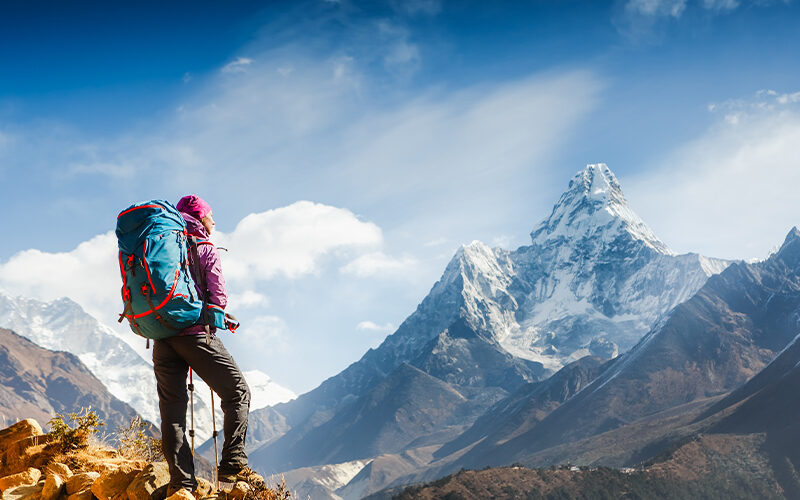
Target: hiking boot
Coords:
[(232, 475)]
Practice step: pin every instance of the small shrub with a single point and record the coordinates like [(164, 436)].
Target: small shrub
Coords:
[(65, 437), (260, 491), (133, 442)]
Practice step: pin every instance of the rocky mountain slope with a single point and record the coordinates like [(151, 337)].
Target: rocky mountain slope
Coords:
[(720, 473), (713, 343), (38, 383), (593, 281)]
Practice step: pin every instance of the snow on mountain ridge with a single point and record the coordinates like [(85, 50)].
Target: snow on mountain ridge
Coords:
[(594, 206), (594, 280)]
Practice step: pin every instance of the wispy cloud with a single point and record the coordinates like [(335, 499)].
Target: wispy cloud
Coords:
[(732, 192), (655, 8), (369, 326), (114, 170), (238, 66), (402, 56), (720, 5), (640, 19), (379, 264), (248, 299), (436, 242)]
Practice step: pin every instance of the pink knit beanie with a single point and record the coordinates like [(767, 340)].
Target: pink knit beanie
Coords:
[(194, 206)]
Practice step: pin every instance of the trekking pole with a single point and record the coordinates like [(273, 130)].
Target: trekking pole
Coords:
[(214, 434), (191, 409)]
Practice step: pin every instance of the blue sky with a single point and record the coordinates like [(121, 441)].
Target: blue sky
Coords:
[(348, 148)]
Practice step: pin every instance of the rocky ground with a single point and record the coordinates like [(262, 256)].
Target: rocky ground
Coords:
[(35, 466)]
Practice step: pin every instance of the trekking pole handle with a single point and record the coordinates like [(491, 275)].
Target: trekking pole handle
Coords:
[(231, 322)]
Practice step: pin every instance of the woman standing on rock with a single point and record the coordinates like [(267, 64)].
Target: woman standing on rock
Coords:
[(198, 348)]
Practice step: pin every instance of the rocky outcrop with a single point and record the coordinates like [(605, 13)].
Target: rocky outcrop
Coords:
[(14, 443), (53, 487), (81, 482), (150, 482), (27, 477), (96, 472), (112, 484)]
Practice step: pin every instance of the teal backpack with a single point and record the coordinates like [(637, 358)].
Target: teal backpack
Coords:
[(157, 288)]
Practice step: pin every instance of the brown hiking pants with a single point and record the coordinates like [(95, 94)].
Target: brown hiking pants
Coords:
[(172, 358)]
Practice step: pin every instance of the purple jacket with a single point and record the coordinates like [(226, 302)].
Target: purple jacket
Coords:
[(211, 265)]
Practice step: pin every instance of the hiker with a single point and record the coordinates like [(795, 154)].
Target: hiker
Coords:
[(198, 348)]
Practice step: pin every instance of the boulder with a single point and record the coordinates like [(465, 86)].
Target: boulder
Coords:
[(204, 488), (81, 482), (53, 487), (58, 469), (27, 492), (15, 441), (25, 478), (239, 491), (82, 495), (111, 485), (181, 494), (23, 429), (150, 483)]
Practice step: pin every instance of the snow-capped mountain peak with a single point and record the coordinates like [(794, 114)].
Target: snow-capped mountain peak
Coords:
[(62, 325), (594, 207)]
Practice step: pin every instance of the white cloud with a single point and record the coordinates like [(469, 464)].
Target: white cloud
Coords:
[(788, 98), (89, 275), (378, 264), (291, 241), (265, 334), (370, 326), (732, 192), (238, 66), (247, 299)]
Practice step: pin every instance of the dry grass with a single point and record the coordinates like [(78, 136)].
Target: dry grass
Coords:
[(258, 489)]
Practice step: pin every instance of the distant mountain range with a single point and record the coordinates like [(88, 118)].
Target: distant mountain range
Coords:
[(492, 332), (707, 398), (62, 325), (711, 344)]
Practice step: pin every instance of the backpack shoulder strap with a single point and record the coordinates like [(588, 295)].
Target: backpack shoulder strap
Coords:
[(200, 276)]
